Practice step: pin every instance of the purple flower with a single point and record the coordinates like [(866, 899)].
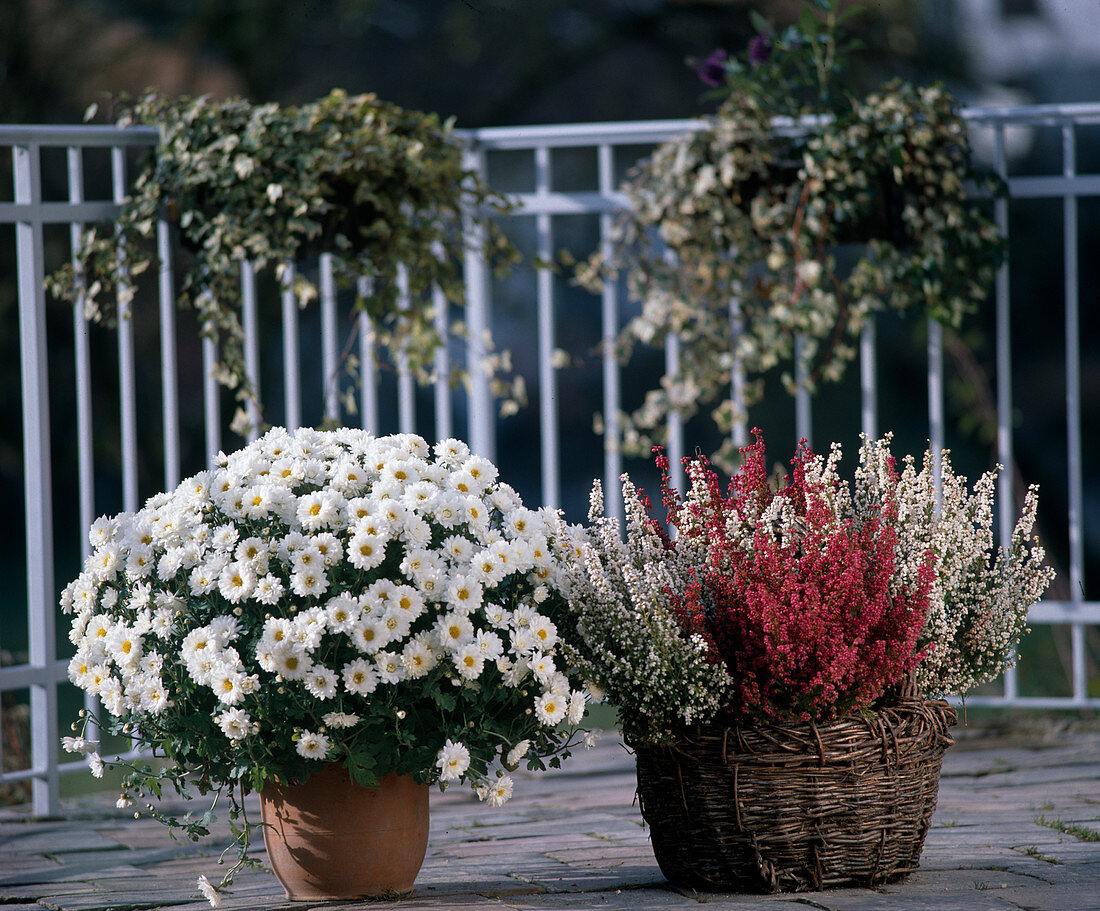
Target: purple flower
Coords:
[(712, 70), (760, 50)]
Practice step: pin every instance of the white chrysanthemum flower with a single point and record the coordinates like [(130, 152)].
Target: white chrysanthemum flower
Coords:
[(489, 644), (320, 510), (418, 657), (310, 582), (291, 663), (209, 892), (543, 668), (454, 630), (153, 697), (464, 593), (342, 613), (268, 590), (575, 711), (452, 760), (366, 550), (235, 724), (124, 645), (140, 561), (313, 746), (253, 551), (329, 547), (102, 531), (523, 641), (590, 738), (77, 745), (497, 615), (236, 582), (451, 452), (469, 661), (517, 753), (369, 634), (225, 537), (360, 677), (321, 682), (96, 765), (500, 791), (550, 708), (545, 633), (338, 720), (390, 667)]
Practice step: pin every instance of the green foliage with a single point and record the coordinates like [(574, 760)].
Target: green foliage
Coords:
[(384, 189), (809, 226)]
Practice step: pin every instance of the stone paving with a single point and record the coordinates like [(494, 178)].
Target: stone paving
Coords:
[(1018, 827)]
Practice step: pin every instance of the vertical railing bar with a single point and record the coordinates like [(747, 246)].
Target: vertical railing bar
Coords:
[(250, 324), (169, 371), (609, 329), (330, 361), (868, 380), (292, 385), (84, 438), (803, 416), (675, 420), (85, 459), (936, 413), (126, 368), (480, 406), (442, 359), (548, 396), (210, 398), (34, 373), (406, 387), (1004, 378), (1073, 410), (368, 375), (739, 432)]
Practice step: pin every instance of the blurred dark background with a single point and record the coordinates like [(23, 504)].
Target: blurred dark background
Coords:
[(514, 62)]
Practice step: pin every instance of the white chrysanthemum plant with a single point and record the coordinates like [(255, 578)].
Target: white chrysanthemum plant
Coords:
[(326, 597)]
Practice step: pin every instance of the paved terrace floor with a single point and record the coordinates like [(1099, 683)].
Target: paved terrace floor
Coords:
[(1018, 827)]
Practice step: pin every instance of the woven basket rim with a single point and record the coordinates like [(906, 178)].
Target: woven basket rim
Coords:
[(912, 721)]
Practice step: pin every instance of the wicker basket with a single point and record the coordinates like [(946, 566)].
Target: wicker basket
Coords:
[(795, 806)]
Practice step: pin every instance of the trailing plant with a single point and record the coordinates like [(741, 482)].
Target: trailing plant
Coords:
[(382, 188), (798, 211)]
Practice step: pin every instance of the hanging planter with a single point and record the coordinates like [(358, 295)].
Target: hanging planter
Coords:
[(810, 205), (383, 189), (788, 807)]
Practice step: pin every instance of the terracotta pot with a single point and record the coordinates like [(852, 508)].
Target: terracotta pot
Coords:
[(333, 839)]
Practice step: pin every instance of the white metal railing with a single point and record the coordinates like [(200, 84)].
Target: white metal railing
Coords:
[(386, 404)]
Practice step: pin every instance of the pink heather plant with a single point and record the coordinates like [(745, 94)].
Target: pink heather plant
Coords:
[(793, 599)]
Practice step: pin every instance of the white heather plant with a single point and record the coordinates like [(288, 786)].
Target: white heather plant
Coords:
[(626, 638), (979, 601), (325, 597)]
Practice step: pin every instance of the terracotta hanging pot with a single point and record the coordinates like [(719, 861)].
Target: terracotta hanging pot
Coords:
[(333, 839)]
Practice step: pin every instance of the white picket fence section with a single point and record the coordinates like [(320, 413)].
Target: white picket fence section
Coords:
[(307, 349)]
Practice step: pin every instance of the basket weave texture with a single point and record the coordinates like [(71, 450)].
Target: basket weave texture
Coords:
[(788, 807)]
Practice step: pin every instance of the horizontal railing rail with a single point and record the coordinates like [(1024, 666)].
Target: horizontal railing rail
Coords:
[(309, 353)]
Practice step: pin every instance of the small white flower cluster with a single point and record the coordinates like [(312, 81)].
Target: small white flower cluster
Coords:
[(316, 578), (979, 601), (627, 638)]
